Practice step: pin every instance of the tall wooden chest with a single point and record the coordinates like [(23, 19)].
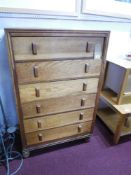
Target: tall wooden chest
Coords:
[(57, 78)]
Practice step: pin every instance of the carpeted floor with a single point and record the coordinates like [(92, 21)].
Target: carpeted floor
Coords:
[(96, 157)]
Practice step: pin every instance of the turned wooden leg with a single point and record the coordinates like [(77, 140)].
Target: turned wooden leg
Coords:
[(25, 153)]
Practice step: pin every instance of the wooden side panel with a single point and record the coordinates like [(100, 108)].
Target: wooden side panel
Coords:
[(57, 120), (55, 70), (57, 133), (32, 92), (57, 105)]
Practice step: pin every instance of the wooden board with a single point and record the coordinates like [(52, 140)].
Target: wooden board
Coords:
[(53, 56), (124, 108), (56, 44), (57, 105), (109, 117), (126, 99), (56, 70), (109, 96), (30, 92), (58, 133), (57, 120)]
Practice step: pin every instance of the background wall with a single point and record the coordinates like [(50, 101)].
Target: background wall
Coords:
[(119, 44)]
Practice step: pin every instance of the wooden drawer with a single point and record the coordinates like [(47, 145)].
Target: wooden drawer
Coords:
[(58, 120), (58, 133), (57, 47), (57, 105), (33, 92), (56, 70)]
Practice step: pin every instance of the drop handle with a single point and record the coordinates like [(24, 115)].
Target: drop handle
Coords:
[(37, 92), (83, 102), (79, 128), (38, 108), (35, 70), (40, 137), (39, 124), (87, 66), (84, 86), (34, 49), (81, 116)]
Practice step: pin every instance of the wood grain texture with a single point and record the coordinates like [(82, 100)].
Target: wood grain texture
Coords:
[(57, 44), (57, 105), (57, 133), (57, 89), (57, 120), (61, 91), (55, 70), (53, 56)]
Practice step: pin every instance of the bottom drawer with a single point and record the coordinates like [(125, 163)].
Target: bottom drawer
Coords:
[(58, 133)]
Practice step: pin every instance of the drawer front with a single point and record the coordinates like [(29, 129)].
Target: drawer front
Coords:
[(33, 92), (33, 48), (55, 70), (58, 133), (58, 120), (57, 105)]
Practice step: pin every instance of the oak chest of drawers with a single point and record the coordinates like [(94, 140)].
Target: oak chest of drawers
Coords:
[(56, 76)]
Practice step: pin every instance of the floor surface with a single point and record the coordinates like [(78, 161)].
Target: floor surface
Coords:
[(96, 157)]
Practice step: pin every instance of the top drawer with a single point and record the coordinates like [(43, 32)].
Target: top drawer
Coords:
[(55, 47)]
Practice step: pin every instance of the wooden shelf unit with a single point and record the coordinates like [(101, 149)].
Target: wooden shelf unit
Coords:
[(123, 94), (116, 114), (111, 118)]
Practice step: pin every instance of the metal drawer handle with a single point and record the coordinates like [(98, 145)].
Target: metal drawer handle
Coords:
[(35, 69), (34, 49), (81, 116), (37, 92), (84, 86), (39, 124), (40, 137), (87, 66), (79, 128), (38, 108), (83, 102)]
